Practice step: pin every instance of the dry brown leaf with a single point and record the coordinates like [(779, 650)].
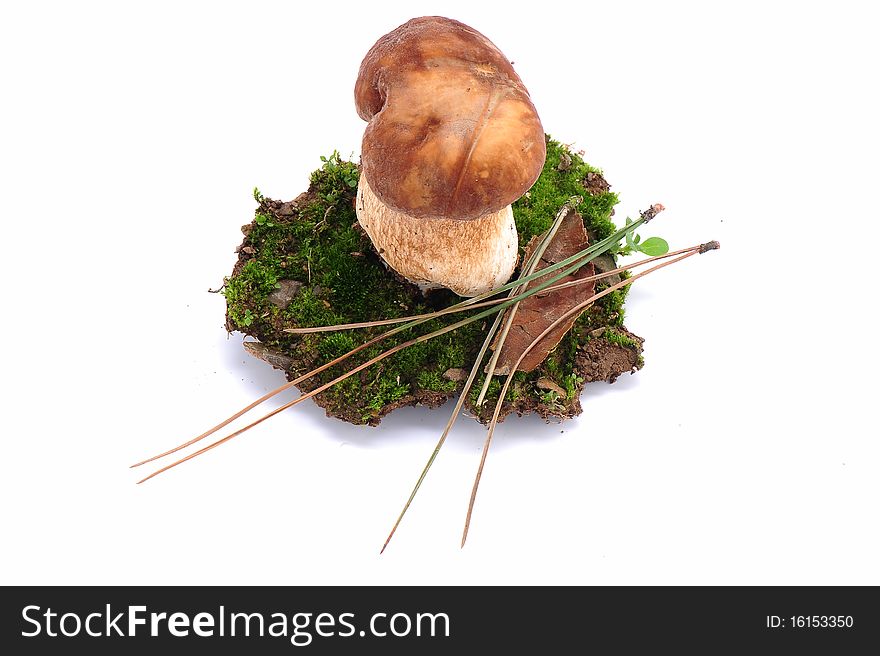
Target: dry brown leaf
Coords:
[(537, 312)]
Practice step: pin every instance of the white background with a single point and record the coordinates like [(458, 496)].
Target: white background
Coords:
[(745, 452)]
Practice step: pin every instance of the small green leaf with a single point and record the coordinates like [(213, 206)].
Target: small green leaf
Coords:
[(630, 244), (654, 246)]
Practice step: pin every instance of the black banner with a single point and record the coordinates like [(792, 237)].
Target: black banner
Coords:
[(436, 620)]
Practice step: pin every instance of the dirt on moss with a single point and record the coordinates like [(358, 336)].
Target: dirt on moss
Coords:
[(596, 360), (307, 262), (607, 356)]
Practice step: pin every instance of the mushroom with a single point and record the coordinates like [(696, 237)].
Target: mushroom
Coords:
[(452, 140)]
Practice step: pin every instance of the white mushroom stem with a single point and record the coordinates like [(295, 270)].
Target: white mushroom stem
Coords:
[(468, 257)]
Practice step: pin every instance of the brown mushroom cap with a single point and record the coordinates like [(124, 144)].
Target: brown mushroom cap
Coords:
[(452, 132)]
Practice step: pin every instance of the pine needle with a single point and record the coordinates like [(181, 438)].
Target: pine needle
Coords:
[(686, 253)]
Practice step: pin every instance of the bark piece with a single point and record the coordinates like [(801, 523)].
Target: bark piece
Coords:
[(275, 358)]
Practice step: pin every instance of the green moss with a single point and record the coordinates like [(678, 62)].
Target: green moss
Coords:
[(611, 311), (620, 339), (336, 344), (245, 293), (535, 211), (572, 383), (317, 242), (433, 381), (384, 391)]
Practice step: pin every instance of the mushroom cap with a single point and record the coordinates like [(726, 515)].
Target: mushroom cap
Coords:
[(452, 132)]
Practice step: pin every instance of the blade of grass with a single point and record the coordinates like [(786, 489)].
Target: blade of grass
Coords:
[(511, 313), (689, 252), (527, 267), (595, 249), (646, 216), (278, 390), (318, 390), (449, 424), (378, 339), (579, 260), (453, 309), (410, 323)]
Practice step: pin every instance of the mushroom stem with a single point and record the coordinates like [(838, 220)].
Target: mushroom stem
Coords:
[(468, 257)]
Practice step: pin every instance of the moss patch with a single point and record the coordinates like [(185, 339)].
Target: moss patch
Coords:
[(307, 262)]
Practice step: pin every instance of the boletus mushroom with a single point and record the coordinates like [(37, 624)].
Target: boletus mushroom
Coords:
[(452, 140)]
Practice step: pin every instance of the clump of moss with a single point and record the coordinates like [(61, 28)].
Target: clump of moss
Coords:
[(308, 263), (619, 338)]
